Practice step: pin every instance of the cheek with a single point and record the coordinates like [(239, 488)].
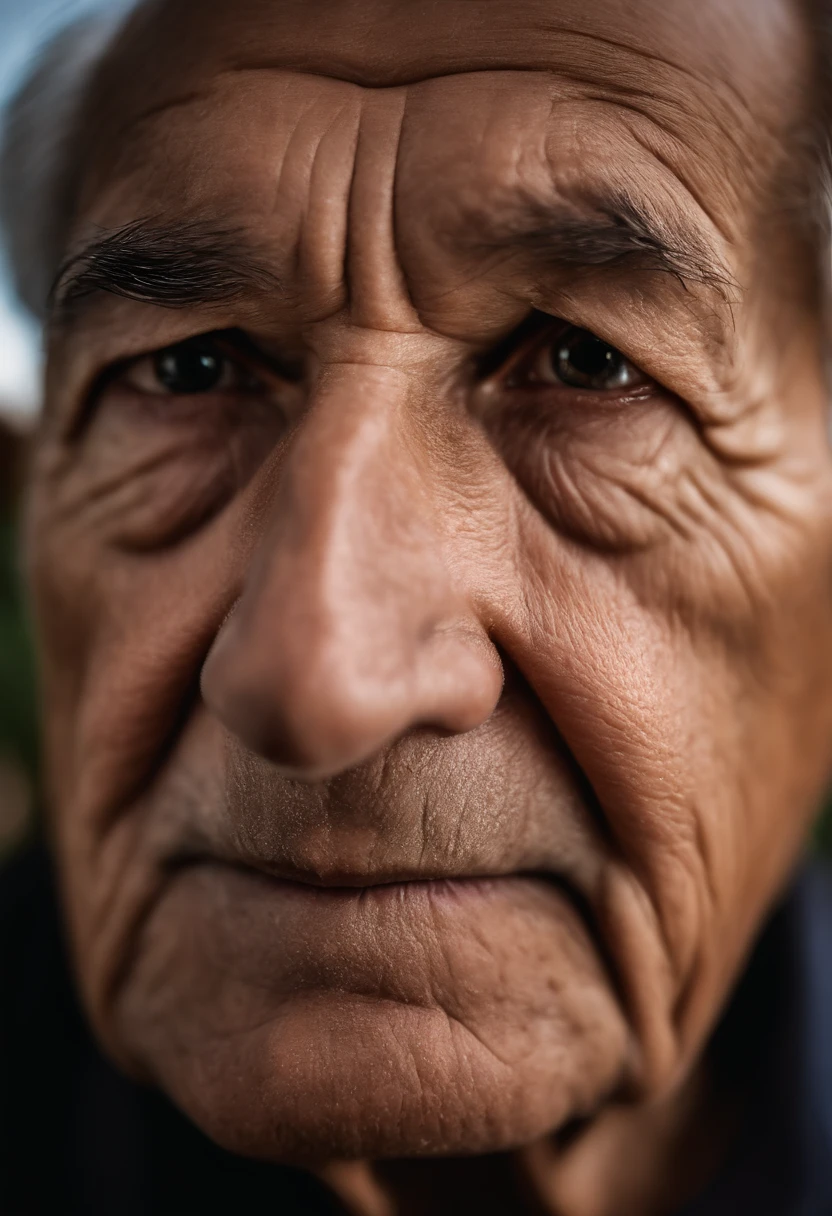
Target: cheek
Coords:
[(124, 525), (121, 638), (604, 473), (680, 677), (149, 471), (631, 701)]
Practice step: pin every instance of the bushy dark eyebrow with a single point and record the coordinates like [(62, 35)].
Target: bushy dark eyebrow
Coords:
[(186, 265), (612, 227)]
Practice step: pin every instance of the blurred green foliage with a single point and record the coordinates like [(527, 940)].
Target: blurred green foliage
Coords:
[(823, 831), (18, 730)]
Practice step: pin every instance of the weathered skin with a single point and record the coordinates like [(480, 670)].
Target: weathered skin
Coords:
[(404, 610)]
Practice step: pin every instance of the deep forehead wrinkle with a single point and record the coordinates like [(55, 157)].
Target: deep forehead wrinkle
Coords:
[(460, 65), (705, 73), (638, 98)]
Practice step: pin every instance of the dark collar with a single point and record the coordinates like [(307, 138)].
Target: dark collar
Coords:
[(778, 1034)]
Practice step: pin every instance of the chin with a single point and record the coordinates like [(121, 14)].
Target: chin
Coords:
[(417, 1019), (343, 1079)]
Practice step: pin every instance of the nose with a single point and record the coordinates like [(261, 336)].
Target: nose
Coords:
[(350, 629)]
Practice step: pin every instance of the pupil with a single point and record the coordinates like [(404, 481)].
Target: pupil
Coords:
[(591, 357), (188, 368), (587, 362)]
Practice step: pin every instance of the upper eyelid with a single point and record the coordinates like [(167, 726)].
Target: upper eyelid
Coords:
[(505, 353), (511, 373), (134, 370)]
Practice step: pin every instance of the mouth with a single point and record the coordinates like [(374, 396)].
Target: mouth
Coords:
[(351, 889), (338, 893), (341, 891), (404, 897), (335, 878), (343, 884)]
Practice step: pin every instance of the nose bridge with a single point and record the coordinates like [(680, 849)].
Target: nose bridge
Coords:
[(354, 510), (352, 566), (350, 628)]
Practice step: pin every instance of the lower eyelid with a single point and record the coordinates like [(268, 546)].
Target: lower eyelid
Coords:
[(552, 397)]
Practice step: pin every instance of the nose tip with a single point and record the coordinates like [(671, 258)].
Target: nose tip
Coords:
[(318, 710)]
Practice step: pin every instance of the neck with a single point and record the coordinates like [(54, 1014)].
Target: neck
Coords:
[(629, 1161)]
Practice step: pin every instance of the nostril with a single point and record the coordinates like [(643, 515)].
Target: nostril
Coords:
[(310, 731), (462, 677), (315, 711), (309, 708)]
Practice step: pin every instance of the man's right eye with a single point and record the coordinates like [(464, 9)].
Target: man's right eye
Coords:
[(194, 367)]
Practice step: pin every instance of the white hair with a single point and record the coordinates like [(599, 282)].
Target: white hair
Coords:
[(35, 173)]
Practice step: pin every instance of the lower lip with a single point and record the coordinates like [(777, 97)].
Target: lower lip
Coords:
[(292, 936)]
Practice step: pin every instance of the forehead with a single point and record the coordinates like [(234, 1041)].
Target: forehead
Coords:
[(247, 110), (389, 42), (713, 81)]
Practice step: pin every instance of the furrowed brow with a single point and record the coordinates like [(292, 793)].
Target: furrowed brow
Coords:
[(188, 265), (613, 228)]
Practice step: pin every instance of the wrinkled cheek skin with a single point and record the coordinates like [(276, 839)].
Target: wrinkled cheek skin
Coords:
[(291, 1033), (298, 1027), (447, 1023)]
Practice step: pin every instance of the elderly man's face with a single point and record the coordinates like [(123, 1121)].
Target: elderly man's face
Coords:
[(430, 542)]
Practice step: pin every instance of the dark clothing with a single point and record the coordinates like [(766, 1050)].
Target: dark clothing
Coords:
[(76, 1138), (778, 1032)]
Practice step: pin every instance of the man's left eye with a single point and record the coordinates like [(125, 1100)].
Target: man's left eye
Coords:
[(196, 366), (575, 358)]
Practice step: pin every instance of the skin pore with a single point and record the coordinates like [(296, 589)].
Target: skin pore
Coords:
[(429, 539)]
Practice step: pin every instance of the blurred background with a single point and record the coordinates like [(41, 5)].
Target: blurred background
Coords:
[(24, 26)]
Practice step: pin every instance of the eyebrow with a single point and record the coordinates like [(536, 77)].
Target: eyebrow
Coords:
[(184, 265), (611, 227), (193, 264)]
